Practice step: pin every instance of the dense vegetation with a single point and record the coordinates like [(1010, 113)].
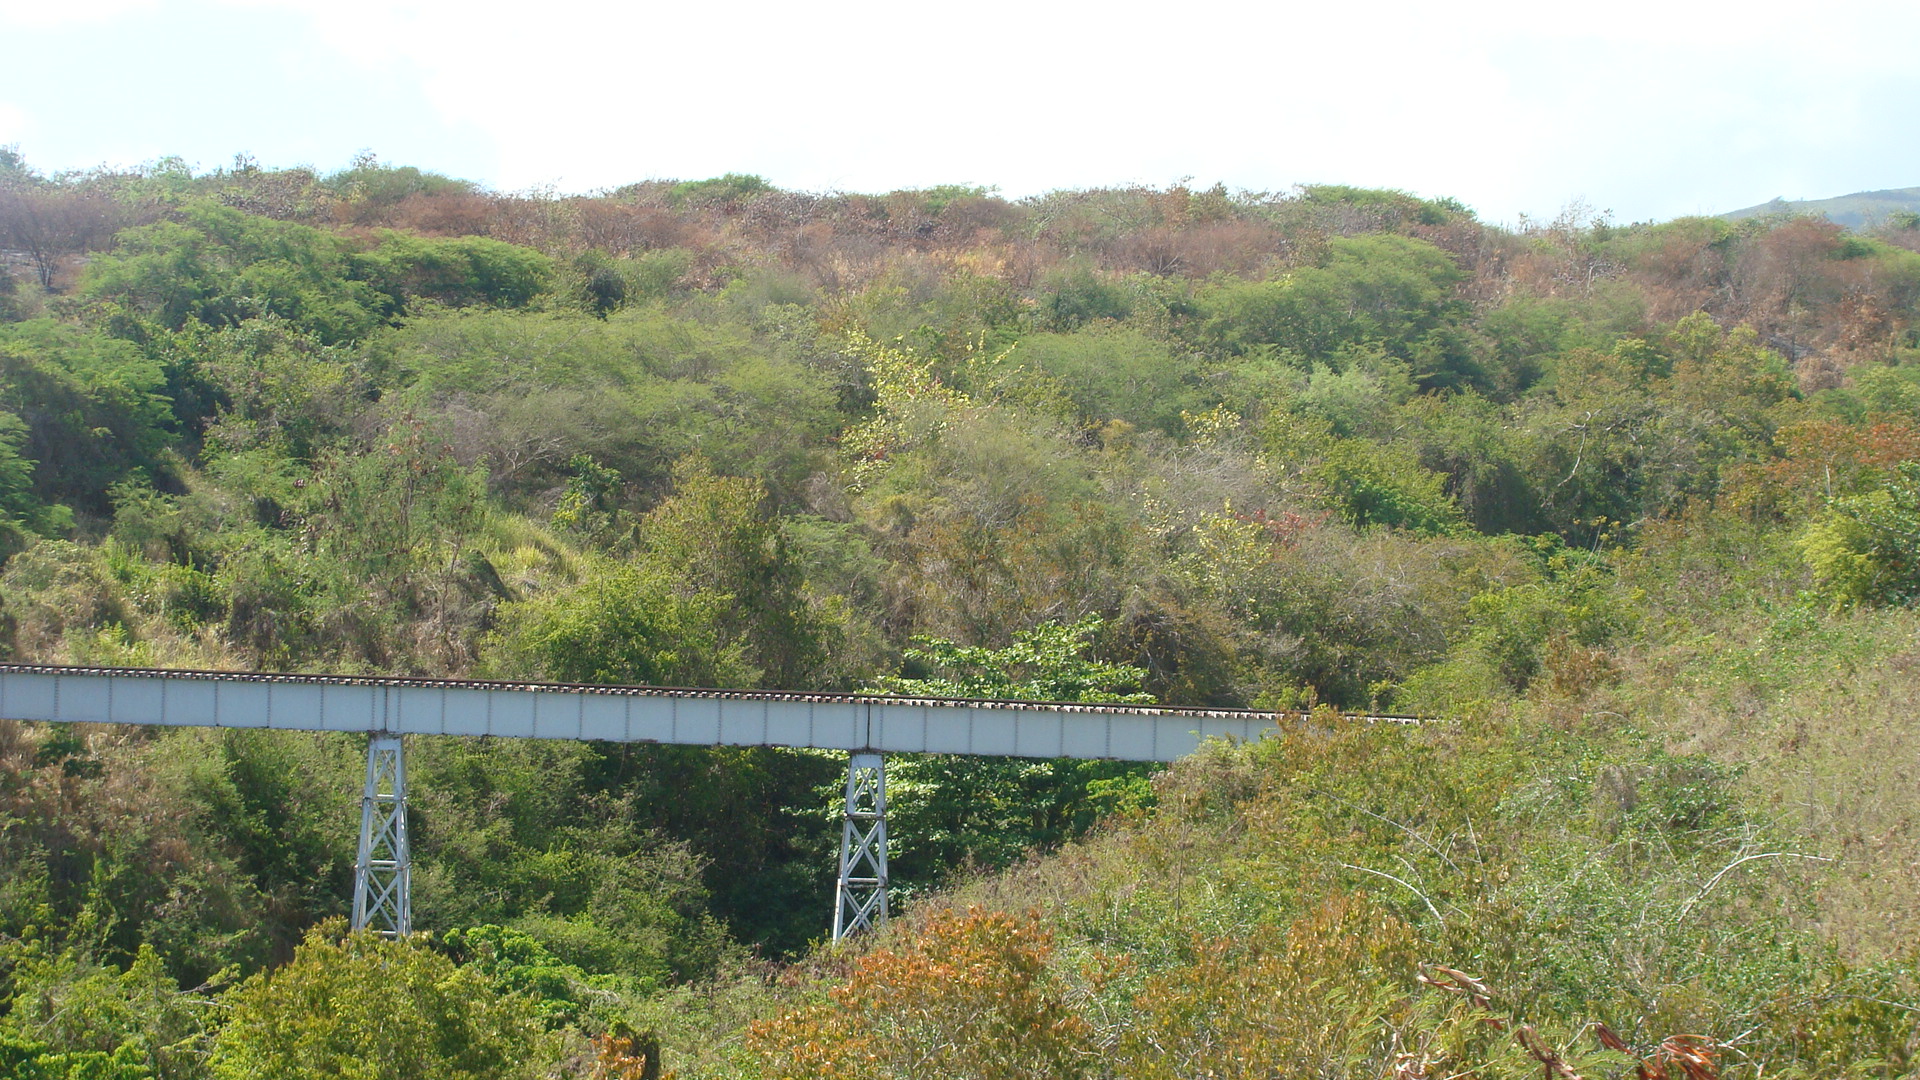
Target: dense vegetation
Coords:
[(1635, 509)]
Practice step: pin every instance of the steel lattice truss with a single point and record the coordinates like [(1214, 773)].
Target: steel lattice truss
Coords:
[(383, 873), (861, 895)]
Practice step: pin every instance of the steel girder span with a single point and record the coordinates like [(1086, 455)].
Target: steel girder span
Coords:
[(864, 726)]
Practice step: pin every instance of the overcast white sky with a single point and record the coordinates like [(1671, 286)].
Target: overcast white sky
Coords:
[(1647, 108)]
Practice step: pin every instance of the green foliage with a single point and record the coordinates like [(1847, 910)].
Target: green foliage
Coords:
[(74, 1019), (17, 504), (387, 1010), (1358, 396), (1044, 663), (713, 599), (456, 272), (1078, 296), (1484, 461), (941, 196), (554, 842), (715, 536), (1866, 548), (621, 624), (636, 392), (57, 588), (602, 289), (1281, 579), (1113, 374), (1392, 291), (91, 412), (1271, 443), (1376, 484), (1561, 622), (402, 503), (370, 183), (32, 1061), (1648, 427), (13, 306), (219, 266), (730, 188), (269, 805), (516, 964), (279, 388), (948, 811), (589, 505)]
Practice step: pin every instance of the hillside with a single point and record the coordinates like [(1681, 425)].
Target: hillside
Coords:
[(1860, 210), (1629, 512)]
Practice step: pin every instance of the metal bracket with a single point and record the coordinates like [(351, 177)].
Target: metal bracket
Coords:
[(860, 897), (383, 872)]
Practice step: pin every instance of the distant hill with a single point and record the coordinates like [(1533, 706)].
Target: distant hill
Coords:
[(1856, 211)]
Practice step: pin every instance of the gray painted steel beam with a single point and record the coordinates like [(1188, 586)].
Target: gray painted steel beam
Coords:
[(860, 894), (383, 871), (403, 706)]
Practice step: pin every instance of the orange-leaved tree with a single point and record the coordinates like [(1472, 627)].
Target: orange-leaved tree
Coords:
[(970, 995)]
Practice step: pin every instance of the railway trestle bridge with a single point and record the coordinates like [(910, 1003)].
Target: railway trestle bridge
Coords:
[(865, 727)]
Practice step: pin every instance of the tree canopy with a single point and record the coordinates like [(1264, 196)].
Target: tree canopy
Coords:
[(1630, 508)]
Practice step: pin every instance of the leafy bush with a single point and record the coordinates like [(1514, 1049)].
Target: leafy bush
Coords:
[(218, 267), (971, 996), (1866, 548), (74, 1019), (516, 964), (457, 271), (81, 413), (395, 1010)]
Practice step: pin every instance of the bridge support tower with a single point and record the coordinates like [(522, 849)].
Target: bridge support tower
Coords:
[(860, 897), (383, 873)]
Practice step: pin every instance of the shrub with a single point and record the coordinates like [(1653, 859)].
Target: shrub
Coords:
[(1866, 549), (971, 996), (386, 1009)]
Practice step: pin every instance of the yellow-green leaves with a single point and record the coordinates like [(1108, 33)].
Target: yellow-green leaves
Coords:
[(368, 1008)]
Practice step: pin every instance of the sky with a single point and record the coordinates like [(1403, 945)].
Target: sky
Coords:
[(1641, 109)]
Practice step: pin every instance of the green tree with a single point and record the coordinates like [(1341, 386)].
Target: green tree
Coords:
[(513, 962), (1866, 548), (455, 271), (1392, 291), (1649, 425), (623, 624), (720, 190), (18, 507), (716, 536), (636, 392), (1079, 295), (274, 387), (1383, 484), (368, 1007), (946, 810), (1114, 373), (1044, 663), (94, 410), (220, 266), (74, 1018)]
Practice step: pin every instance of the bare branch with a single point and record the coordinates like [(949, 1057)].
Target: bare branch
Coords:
[(1402, 884), (1715, 880)]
